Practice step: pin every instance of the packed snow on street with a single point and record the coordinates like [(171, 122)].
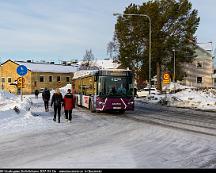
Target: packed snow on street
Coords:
[(31, 139)]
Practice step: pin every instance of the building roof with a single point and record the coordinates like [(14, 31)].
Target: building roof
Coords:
[(206, 47), (104, 64), (45, 67)]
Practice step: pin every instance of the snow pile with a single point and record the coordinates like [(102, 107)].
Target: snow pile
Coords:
[(200, 99), (8, 100), (15, 113), (5, 97), (175, 86), (63, 90), (186, 98)]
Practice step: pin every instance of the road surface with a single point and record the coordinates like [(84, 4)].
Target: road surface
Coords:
[(149, 137)]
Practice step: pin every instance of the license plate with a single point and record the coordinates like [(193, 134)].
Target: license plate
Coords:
[(116, 107)]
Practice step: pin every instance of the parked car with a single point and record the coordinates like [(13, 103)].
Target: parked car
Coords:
[(145, 92)]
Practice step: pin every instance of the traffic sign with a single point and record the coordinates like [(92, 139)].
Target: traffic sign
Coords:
[(20, 82), (166, 78), (22, 70)]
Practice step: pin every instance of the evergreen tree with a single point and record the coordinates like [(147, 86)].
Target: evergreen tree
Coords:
[(174, 24)]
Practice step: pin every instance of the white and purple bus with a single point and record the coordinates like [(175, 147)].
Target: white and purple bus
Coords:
[(104, 90)]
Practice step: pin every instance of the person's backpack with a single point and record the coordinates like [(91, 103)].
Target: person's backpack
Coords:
[(58, 100), (46, 94)]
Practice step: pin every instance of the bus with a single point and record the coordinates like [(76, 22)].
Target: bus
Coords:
[(104, 90)]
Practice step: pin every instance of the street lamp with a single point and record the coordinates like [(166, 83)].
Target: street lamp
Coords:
[(174, 73), (143, 15)]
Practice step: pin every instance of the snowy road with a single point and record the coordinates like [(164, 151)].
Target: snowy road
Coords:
[(149, 137)]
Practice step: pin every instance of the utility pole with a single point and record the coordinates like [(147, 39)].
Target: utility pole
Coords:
[(174, 73)]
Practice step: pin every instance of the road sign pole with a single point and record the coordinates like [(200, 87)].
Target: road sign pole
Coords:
[(22, 90), (22, 71)]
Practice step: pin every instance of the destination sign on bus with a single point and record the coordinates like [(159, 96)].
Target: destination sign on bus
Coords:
[(115, 73)]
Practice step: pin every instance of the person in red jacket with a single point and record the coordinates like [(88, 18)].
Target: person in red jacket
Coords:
[(68, 105)]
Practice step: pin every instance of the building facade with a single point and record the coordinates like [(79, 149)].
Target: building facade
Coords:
[(199, 73), (39, 76)]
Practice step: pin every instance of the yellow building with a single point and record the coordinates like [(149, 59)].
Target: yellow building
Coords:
[(39, 76)]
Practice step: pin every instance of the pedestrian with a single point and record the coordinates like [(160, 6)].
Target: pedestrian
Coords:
[(36, 94), (46, 98), (69, 103), (57, 100)]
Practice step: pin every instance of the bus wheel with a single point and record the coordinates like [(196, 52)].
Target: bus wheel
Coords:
[(122, 111)]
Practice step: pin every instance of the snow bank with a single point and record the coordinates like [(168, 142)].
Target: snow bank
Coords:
[(9, 118), (175, 86), (201, 99), (63, 90), (186, 98)]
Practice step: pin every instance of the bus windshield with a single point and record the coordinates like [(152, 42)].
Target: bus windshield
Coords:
[(115, 86)]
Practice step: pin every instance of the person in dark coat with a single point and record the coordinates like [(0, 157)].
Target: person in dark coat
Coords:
[(57, 100), (69, 103), (46, 98), (36, 94)]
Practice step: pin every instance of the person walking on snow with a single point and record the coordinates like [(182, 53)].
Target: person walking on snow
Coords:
[(68, 105), (57, 100), (36, 94), (46, 98)]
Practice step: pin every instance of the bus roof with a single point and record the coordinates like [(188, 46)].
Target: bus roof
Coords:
[(83, 73)]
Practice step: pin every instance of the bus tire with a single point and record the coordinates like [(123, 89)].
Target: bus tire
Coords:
[(122, 111)]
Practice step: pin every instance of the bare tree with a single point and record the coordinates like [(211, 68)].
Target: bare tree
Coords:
[(113, 48), (88, 60)]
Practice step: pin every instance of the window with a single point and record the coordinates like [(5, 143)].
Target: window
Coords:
[(50, 78), (3, 79), (199, 79), (67, 79), (9, 80), (58, 78), (41, 78), (199, 65)]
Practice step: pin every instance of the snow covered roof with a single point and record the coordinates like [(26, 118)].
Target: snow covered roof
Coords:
[(82, 73), (104, 64), (205, 46), (45, 67)]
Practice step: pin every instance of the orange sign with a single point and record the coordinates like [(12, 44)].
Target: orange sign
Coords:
[(166, 78), (20, 82)]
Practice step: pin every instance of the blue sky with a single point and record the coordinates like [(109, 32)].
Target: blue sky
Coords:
[(63, 29)]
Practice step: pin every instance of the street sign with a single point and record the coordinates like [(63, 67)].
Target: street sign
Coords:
[(20, 82), (22, 70), (166, 78)]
